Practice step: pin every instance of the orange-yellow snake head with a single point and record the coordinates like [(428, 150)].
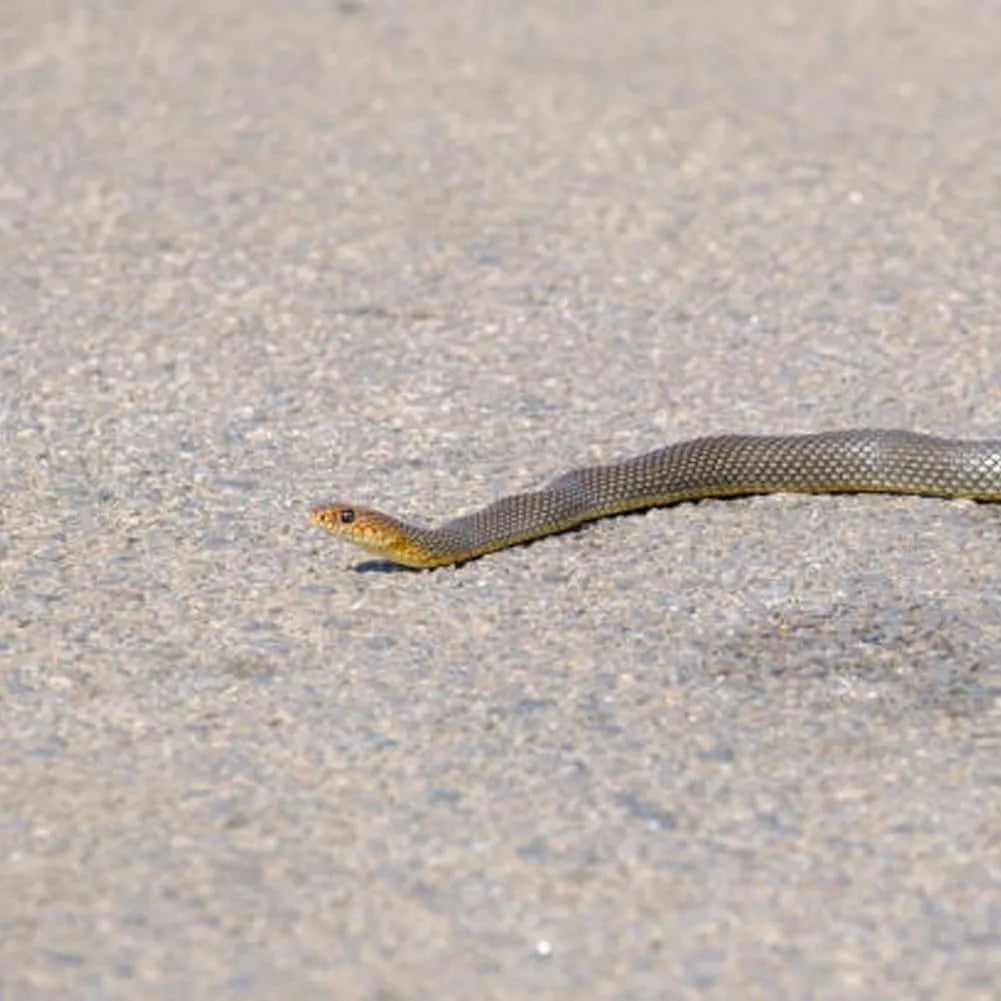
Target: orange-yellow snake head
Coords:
[(372, 530)]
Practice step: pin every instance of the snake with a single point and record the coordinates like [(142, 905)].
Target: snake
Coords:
[(866, 460)]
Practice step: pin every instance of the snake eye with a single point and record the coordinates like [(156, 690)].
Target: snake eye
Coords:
[(347, 516)]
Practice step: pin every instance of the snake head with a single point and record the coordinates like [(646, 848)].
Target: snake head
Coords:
[(372, 530)]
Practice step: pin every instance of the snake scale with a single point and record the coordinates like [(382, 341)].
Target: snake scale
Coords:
[(855, 461)]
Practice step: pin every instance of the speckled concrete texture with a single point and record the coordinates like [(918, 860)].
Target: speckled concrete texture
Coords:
[(419, 255)]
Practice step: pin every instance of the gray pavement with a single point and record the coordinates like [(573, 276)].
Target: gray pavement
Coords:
[(258, 256)]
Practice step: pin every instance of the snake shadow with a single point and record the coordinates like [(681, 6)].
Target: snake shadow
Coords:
[(383, 566)]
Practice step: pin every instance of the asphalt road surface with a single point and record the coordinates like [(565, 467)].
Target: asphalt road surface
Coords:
[(258, 256)]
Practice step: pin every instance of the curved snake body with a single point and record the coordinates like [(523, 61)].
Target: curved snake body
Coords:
[(857, 461)]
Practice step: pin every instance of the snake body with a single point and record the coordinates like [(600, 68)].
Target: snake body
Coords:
[(856, 461)]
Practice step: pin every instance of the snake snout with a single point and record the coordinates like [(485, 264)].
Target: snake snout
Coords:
[(333, 517)]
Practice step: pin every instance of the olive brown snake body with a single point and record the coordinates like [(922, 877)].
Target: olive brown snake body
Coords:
[(856, 461)]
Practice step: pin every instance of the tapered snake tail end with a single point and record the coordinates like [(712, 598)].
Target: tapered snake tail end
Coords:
[(374, 531)]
